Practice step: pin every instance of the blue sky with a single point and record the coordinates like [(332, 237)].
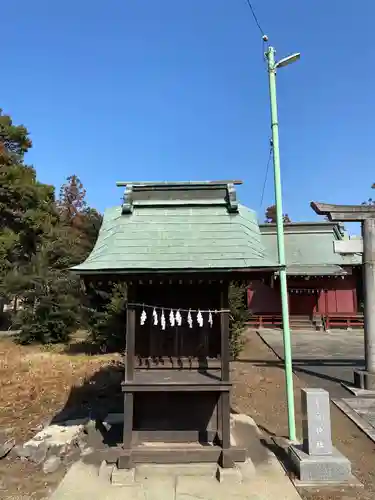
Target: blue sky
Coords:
[(177, 90)]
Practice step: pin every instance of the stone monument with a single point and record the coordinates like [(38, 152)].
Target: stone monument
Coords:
[(316, 460)]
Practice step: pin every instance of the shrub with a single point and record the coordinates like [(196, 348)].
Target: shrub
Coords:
[(107, 320), (50, 310), (239, 315)]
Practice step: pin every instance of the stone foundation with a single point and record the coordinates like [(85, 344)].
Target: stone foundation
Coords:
[(364, 380), (334, 468)]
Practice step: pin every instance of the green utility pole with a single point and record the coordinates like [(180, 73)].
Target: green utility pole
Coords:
[(272, 66)]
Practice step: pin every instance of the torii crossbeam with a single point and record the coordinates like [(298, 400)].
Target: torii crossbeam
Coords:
[(365, 214)]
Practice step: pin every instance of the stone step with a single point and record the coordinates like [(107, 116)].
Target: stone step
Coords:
[(303, 327), (304, 323), (300, 320), (300, 316)]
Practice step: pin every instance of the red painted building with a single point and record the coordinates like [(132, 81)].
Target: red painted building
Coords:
[(323, 284)]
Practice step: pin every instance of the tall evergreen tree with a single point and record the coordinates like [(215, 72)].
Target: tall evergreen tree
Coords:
[(37, 246), (51, 299), (27, 208)]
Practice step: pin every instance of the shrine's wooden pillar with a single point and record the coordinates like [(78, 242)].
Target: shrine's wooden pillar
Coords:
[(125, 461), (224, 403)]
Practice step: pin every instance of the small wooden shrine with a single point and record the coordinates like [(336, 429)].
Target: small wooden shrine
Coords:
[(177, 246)]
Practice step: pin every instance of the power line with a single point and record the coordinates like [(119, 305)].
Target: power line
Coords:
[(265, 40), (265, 177), (255, 17)]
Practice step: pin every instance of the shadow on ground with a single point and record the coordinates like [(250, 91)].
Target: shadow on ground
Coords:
[(89, 347), (99, 395), (314, 367), (306, 362)]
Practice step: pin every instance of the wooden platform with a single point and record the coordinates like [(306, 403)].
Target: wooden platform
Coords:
[(170, 453), (343, 320), (296, 321), (177, 363), (175, 380)]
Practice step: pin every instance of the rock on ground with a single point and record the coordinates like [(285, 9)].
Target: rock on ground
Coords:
[(57, 435), (5, 446), (34, 453), (51, 464)]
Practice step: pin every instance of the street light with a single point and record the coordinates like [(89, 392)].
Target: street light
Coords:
[(288, 60), (272, 66)]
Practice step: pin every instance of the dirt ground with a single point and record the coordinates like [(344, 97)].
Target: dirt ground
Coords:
[(37, 384), (259, 391)]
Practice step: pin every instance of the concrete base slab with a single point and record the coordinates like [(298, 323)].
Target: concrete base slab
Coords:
[(247, 470), (263, 478), (189, 488), (145, 471), (122, 477), (231, 475), (82, 482), (105, 471), (320, 469), (364, 380)]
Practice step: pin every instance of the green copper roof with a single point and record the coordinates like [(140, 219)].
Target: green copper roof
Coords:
[(315, 270), (160, 227), (309, 248), (182, 226)]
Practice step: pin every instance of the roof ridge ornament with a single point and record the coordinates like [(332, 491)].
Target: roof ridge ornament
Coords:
[(232, 199), (180, 184), (227, 198), (127, 206)]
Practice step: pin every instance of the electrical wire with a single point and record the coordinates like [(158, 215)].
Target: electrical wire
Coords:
[(264, 36), (266, 176), (255, 17), (265, 43)]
